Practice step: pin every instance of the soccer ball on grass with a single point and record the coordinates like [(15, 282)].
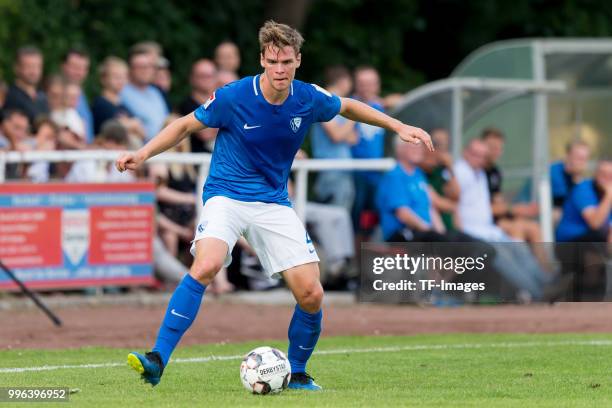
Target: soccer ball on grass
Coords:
[(265, 370)]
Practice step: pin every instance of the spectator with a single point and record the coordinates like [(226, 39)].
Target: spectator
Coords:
[(513, 220), (3, 91), (203, 81), (514, 261), (14, 135), (227, 57), (113, 136), (370, 144), (140, 97), (437, 166), (163, 80), (24, 94), (587, 215), (75, 68), (113, 76), (333, 140), (567, 173), (63, 99), (14, 131), (225, 77), (46, 135), (587, 220)]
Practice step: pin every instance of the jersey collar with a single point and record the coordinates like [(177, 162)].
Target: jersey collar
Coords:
[(257, 88)]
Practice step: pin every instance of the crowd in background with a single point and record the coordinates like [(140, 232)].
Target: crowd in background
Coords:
[(426, 197)]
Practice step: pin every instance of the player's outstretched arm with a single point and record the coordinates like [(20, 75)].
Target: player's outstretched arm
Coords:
[(360, 112), (168, 137)]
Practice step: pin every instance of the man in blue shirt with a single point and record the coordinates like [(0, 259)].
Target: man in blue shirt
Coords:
[(370, 143), (587, 218), (75, 68), (333, 140), (141, 98), (565, 174), (262, 122)]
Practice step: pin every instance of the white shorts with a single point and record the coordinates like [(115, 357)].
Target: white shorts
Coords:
[(275, 232)]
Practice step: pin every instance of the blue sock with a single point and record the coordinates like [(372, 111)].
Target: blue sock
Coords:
[(304, 331), (182, 311)]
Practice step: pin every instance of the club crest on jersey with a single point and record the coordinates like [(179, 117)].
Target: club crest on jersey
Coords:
[(295, 124)]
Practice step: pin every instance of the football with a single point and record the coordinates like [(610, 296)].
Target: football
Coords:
[(265, 370)]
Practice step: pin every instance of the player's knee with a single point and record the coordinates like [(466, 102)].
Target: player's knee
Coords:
[(204, 270), (312, 298)]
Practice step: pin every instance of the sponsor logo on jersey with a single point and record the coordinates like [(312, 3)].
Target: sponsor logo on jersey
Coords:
[(209, 101)]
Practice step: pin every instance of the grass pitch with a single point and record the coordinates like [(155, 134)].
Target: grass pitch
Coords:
[(433, 370)]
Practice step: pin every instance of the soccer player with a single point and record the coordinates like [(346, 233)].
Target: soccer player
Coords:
[(262, 122)]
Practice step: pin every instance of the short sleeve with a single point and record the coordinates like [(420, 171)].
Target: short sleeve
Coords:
[(583, 196), (216, 111), (325, 104)]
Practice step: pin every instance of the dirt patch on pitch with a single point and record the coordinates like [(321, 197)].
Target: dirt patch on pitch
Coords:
[(136, 326)]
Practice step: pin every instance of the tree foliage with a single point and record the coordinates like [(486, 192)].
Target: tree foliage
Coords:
[(409, 41)]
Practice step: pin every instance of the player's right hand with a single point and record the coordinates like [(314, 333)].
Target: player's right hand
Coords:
[(129, 161)]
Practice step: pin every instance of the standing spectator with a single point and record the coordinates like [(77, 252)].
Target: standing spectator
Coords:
[(226, 77), (333, 140), (203, 81), (163, 80), (114, 76), (63, 99), (140, 97), (24, 94), (14, 135), (565, 174), (370, 143), (75, 67), (227, 57), (3, 91)]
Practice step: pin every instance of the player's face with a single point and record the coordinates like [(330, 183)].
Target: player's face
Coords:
[(578, 160), (279, 66)]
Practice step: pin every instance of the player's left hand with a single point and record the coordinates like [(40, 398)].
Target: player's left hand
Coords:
[(415, 135)]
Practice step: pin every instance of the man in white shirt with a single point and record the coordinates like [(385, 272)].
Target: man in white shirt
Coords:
[(514, 260)]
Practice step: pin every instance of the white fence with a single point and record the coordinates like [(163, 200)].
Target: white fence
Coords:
[(301, 168)]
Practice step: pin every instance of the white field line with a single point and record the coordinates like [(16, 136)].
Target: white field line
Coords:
[(415, 347)]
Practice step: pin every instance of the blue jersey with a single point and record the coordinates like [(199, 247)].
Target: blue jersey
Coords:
[(257, 141), (572, 224), (398, 189)]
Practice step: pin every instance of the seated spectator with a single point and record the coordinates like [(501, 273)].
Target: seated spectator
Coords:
[(141, 97), (333, 140), (63, 99), (203, 81), (113, 77), (513, 220), (24, 94), (514, 261), (75, 68), (565, 174), (227, 57), (587, 215), (587, 219), (437, 166)]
